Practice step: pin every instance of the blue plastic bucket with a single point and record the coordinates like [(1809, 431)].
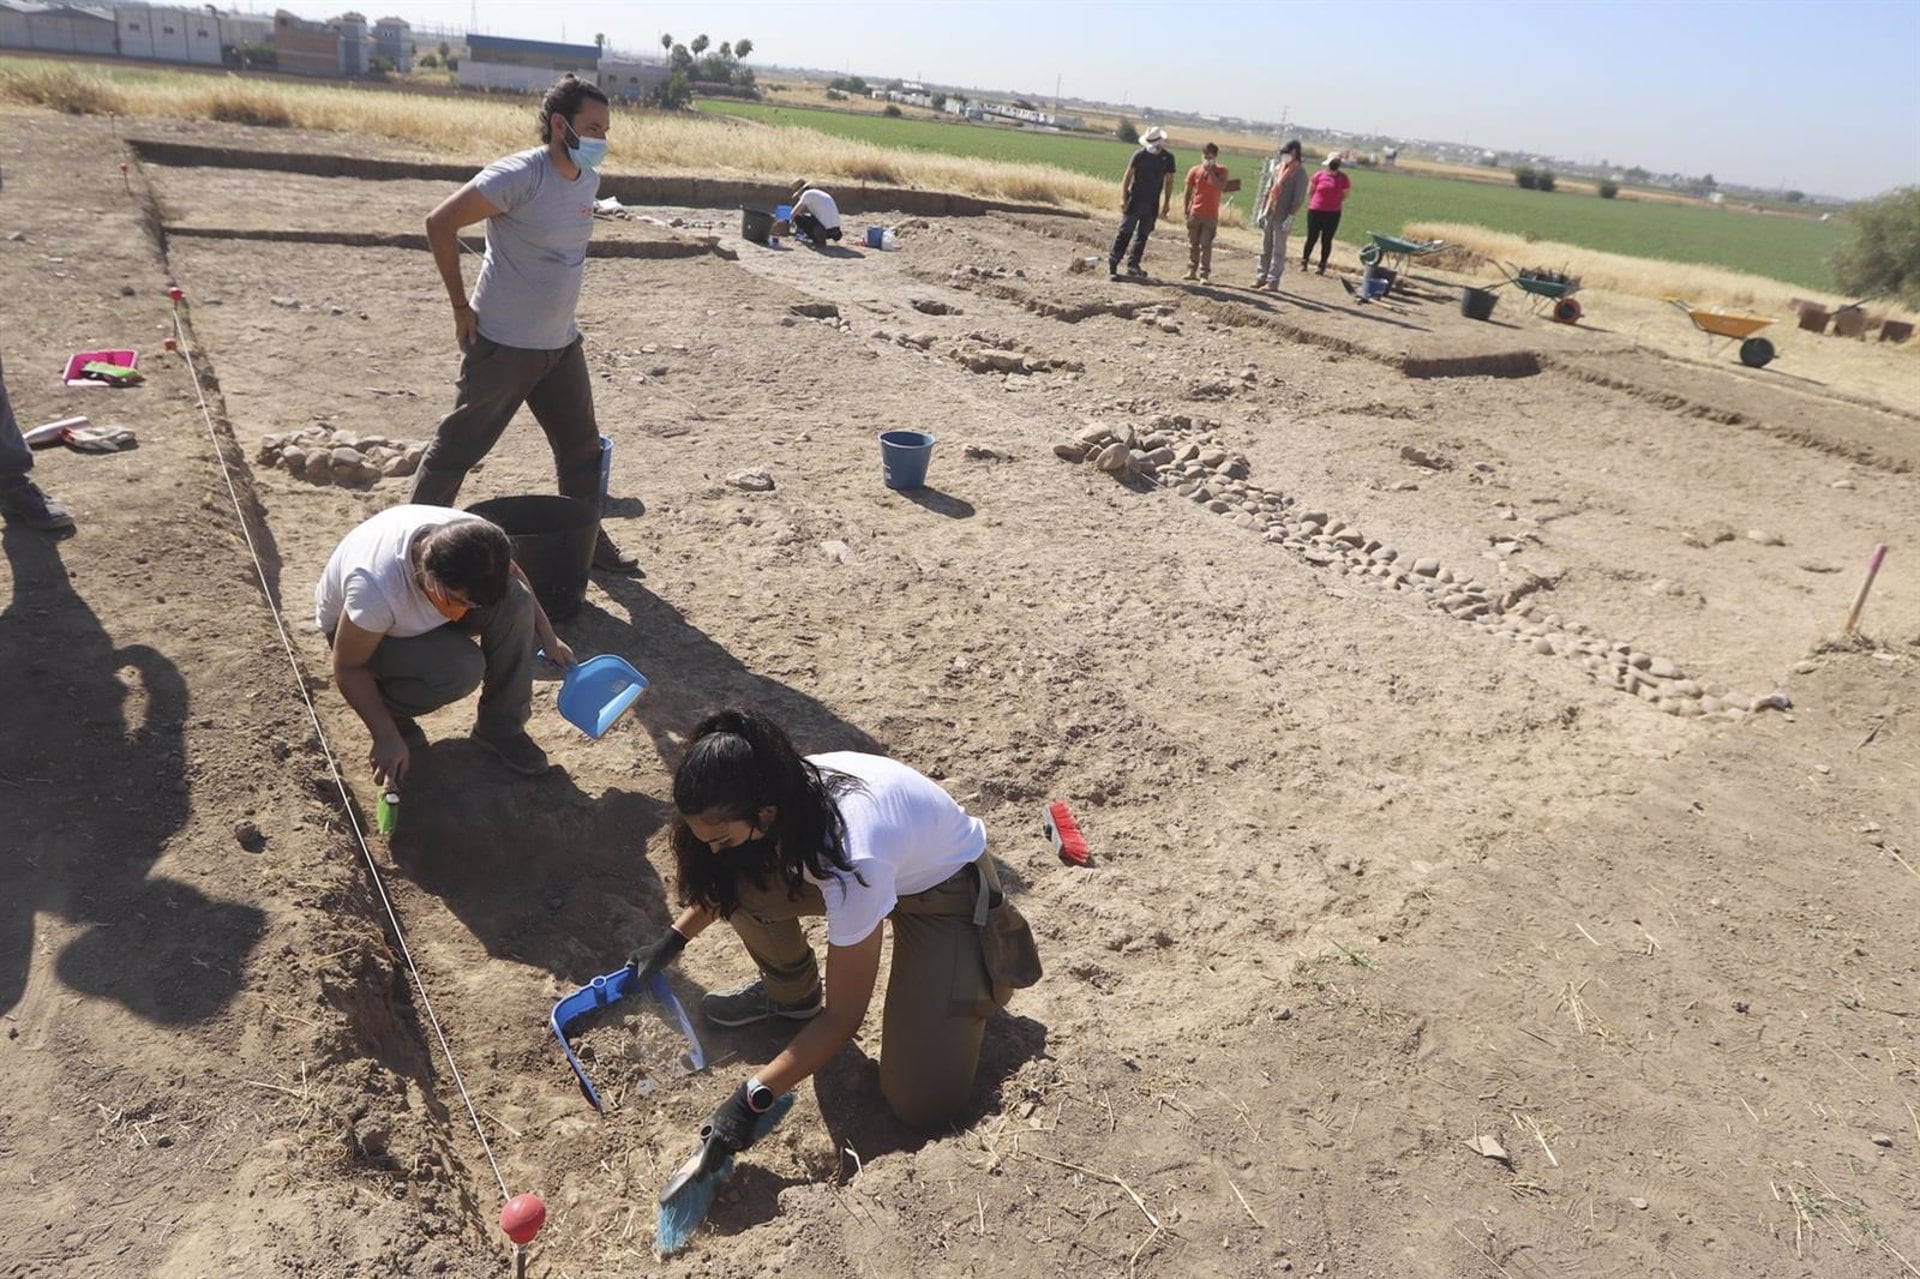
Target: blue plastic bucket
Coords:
[(903, 458), (1374, 286), (783, 213), (875, 236)]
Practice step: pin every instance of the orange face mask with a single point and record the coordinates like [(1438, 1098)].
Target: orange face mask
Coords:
[(450, 609)]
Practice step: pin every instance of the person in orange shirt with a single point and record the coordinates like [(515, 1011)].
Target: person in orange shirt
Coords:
[(1205, 182)]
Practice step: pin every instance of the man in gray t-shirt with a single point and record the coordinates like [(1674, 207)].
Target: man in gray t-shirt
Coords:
[(518, 336)]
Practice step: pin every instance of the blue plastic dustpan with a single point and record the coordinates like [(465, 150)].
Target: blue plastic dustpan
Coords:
[(603, 991), (598, 691)]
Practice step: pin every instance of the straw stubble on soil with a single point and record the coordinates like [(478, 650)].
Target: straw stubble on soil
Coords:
[(1354, 860)]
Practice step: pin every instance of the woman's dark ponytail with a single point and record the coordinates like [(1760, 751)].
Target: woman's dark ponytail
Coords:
[(739, 763)]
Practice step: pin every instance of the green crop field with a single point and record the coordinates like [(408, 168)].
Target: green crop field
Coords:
[(1785, 248)]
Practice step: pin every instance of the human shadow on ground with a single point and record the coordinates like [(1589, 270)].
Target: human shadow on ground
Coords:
[(848, 1091), (538, 869), (93, 777)]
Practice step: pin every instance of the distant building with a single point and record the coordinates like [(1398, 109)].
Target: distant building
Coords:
[(168, 33), (393, 40), (355, 45), (57, 28), (306, 48), (626, 78), (498, 62)]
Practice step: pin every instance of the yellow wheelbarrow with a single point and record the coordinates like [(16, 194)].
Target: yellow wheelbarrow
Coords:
[(1732, 326)]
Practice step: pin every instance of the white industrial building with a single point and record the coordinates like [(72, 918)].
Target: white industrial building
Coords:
[(57, 28)]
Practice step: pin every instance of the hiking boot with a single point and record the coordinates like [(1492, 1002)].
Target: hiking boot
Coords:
[(518, 752), (608, 558), (1113, 270), (1191, 274), (1321, 269), (745, 1005), (1137, 271), (26, 503), (1206, 277), (1259, 282)]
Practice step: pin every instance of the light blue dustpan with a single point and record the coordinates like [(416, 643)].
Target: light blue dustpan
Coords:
[(598, 691)]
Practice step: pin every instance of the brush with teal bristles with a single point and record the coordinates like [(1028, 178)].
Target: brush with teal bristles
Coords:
[(688, 1194)]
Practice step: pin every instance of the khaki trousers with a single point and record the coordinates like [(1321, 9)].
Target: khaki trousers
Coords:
[(495, 381), (1200, 233), (938, 994), (422, 673)]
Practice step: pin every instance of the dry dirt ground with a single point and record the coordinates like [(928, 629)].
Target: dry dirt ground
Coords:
[(1386, 862)]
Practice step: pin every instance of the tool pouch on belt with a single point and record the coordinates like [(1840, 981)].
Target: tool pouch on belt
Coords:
[(1006, 941)]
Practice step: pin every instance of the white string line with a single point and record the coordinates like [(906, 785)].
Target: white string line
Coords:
[(346, 799)]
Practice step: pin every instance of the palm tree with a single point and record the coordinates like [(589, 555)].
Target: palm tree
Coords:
[(726, 50), (699, 45), (741, 48), (666, 42), (600, 42)]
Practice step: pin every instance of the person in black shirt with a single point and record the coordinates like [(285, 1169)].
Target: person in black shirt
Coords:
[(1145, 195)]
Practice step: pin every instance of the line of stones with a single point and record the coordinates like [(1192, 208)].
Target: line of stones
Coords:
[(1205, 472)]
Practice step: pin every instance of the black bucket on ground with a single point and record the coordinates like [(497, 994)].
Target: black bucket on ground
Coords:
[(553, 539), (756, 225), (1477, 304)]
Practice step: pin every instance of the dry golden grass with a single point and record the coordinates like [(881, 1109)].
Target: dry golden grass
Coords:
[(481, 128), (1643, 277)]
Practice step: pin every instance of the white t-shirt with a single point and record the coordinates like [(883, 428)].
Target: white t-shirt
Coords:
[(904, 835), (369, 577), (817, 202)]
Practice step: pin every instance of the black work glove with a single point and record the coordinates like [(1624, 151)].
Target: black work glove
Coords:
[(732, 1124), (648, 960)]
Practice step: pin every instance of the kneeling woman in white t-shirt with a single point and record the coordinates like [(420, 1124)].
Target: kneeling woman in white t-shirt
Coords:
[(764, 837)]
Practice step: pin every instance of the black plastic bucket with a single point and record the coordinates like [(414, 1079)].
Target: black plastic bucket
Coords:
[(553, 540), (1381, 273), (1477, 304), (756, 225)]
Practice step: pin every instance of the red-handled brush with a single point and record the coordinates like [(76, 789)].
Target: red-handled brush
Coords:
[(1065, 834)]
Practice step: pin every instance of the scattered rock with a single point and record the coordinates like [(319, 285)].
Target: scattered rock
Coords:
[(931, 306), (1419, 457), (17, 237), (248, 836), (1427, 567), (1484, 1145), (1882, 1139), (290, 304), (1070, 452), (1765, 538), (1805, 668), (1708, 535), (1843, 484), (981, 453), (753, 480), (1661, 668), (816, 310), (837, 550), (1113, 458), (1741, 1006), (1816, 566), (1637, 1202), (1543, 646)]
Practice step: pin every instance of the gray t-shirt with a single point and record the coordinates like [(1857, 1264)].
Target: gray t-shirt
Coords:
[(536, 251)]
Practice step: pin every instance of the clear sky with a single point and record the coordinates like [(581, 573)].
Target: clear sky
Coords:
[(1819, 95)]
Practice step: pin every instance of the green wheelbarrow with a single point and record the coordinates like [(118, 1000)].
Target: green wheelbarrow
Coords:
[(1393, 252), (1546, 288)]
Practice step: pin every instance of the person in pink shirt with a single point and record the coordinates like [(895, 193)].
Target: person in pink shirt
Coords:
[(1325, 194)]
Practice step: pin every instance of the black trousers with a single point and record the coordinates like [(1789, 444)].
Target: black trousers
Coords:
[(808, 225), (1135, 226), (1321, 224)]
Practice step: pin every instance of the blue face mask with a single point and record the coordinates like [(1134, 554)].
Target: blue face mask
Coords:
[(586, 152)]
